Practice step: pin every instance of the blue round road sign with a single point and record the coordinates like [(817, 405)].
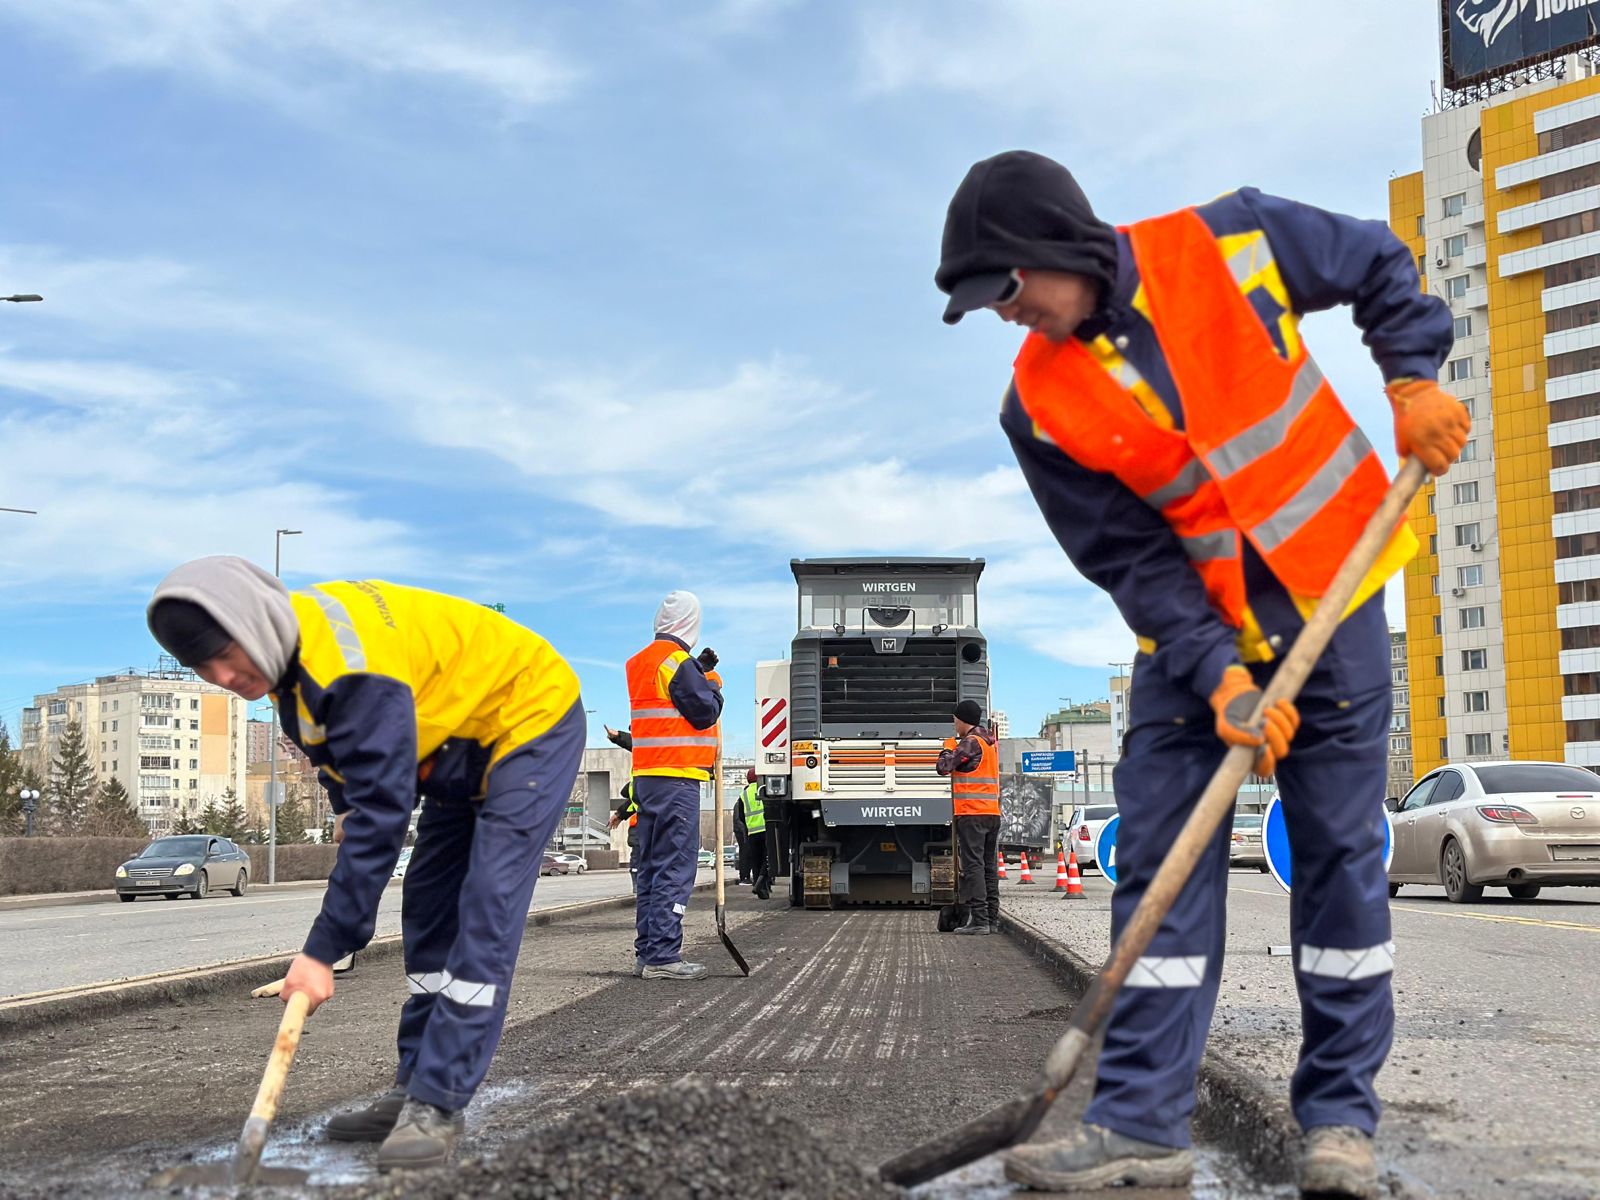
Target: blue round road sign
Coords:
[(1275, 841), (1105, 849)]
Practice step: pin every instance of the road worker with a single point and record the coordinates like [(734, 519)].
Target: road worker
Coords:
[(972, 762), (751, 808), (628, 810)]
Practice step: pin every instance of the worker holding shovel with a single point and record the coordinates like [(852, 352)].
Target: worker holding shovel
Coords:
[(1193, 462), (383, 686)]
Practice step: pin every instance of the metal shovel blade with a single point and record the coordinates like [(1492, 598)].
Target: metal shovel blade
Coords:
[(727, 942)]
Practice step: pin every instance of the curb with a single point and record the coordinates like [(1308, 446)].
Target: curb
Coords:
[(52, 899), (1232, 1110), (21, 1013)]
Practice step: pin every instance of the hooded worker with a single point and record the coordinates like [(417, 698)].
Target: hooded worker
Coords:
[(389, 689), (675, 702)]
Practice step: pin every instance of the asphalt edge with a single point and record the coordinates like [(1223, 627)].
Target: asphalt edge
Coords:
[(100, 1000)]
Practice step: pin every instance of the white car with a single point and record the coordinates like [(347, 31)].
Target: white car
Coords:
[(1087, 824), (576, 865)]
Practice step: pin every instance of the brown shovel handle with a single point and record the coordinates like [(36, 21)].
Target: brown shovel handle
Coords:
[(283, 1049)]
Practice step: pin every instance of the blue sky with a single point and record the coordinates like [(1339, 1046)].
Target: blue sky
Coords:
[(566, 305)]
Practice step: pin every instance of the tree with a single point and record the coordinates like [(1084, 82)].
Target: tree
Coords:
[(292, 819), (11, 785), (256, 835), (72, 785), (232, 823), (210, 820), (113, 814), (184, 825)]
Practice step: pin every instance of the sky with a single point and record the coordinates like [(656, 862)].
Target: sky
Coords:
[(564, 306)]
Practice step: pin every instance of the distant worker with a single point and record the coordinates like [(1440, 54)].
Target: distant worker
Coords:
[(628, 810), (380, 685), (676, 702), (741, 839), (753, 808), (1193, 462), (971, 760)]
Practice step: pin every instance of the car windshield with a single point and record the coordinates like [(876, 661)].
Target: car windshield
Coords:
[(1536, 777), (1099, 812), (174, 847), (1247, 821)]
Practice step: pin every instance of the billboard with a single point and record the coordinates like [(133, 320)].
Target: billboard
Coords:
[(1025, 803), (1486, 38)]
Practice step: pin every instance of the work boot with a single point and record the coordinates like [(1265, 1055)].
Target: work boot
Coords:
[(424, 1136), (975, 923), (369, 1124), (638, 967), (1336, 1161), (1095, 1157), (676, 970)]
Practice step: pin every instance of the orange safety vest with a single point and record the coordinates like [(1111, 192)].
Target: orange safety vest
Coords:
[(977, 793), (664, 743), (1269, 452)]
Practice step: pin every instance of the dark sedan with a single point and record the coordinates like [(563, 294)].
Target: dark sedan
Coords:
[(190, 864)]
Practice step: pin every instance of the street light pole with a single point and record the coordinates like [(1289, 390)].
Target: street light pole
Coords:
[(30, 801), (272, 746)]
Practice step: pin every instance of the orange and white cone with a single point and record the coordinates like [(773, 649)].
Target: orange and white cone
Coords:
[(1061, 870), (1074, 880), (1027, 875), (1002, 855)]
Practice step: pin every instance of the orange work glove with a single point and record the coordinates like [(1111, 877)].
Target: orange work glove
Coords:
[(1235, 700), (1428, 422)]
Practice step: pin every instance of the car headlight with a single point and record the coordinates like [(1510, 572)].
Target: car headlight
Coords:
[(186, 869), (122, 872)]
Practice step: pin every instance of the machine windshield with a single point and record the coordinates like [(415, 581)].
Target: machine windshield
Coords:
[(891, 603)]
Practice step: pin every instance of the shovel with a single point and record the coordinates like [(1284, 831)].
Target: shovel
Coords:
[(272, 989), (246, 1167), (722, 909), (1019, 1119)]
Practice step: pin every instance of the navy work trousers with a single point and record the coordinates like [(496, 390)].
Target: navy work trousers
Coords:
[(465, 909), (668, 855), (1332, 785)]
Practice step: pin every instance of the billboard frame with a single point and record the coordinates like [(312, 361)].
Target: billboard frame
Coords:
[(1460, 90)]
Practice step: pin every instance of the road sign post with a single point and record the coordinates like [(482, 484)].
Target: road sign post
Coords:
[(1275, 841), (1105, 849)]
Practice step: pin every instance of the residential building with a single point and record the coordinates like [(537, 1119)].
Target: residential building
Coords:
[(1121, 692), (1000, 724), (1084, 729), (175, 741), (1400, 774)]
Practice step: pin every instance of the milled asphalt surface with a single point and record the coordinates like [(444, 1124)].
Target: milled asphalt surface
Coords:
[(867, 1028), (72, 944), (1489, 1091)]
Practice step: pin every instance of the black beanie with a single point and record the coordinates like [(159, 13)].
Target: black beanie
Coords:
[(187, 632), (1019, 210), (970, 712)]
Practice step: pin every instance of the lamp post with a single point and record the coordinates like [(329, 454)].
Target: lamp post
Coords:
[(272, 744), (30, 802)]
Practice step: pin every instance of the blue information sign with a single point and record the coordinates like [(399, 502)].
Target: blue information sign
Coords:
[(1275, 841), (1105, 849), (1048, 762)]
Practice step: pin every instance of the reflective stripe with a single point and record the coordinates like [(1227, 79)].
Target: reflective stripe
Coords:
[(1268, 433), (1167, 972), (344, 631), (1184, 483), (651, 714), (971, 778), (679, 909), (428, 983), (1203, 546), (473, 995), (1316, 492), (1249, 261), (1334, 963), (683, 741)]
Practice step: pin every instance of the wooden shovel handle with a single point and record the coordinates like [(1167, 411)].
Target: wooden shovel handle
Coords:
[(716, 789), (288, 1041)]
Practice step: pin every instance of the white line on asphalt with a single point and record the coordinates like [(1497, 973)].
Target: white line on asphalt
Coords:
[(1465, 916)]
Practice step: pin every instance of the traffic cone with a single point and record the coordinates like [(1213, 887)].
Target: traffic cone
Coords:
[(1074, 880), (1061, 870), (1027, 875), (1002, 854)]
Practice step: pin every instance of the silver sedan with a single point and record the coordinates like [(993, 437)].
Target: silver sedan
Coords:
[(1516, 825)]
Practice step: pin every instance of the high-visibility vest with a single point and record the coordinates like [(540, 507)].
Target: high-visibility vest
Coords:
[(664, 743), (1268, 452), (755, 809), (977, 793)]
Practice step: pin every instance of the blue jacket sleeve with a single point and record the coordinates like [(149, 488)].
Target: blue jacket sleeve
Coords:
[(695, 696), (1328, 259), (1124, 547), (372, 736)]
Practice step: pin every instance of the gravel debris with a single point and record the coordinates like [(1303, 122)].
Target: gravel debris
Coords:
[(686, 1140)]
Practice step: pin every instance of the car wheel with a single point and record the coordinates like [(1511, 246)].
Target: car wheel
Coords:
[(1394, 890), (240, 884), (1524, 891), (127, 897), (1453, 871), (201, 887)]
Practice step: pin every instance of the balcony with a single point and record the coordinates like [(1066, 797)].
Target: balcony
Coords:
[(1476, 256), (1472, 214), (1477, 298)]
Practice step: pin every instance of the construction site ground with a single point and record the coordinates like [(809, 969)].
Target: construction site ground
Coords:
[(867, 1027)]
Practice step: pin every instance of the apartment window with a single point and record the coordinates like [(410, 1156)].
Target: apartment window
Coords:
[(1438, 627), (1562, 228), (1403, 699), (155, 762), (1438, 664), (1573, 408), (1578, 500), (1435, 582), (1587, 130), (102, 766), (1578, 591), (1430, 503), (1422, 226), (102, 747), (1441, 706), (1577, 545), (1472, 618), (194, 764), (1459, 369), (1583, 731), (194, 743), (1397, 722), (194, 785), (1444, 749), (1474, 660), (1433, 543), (102, 726), (1456, 286), (1396, 745), (1463, 327), (1575, 454), (113, 727), (176, 783), (1576, 317), (1455, 205), (1477, 744), (113, 745), (194, 704), (1469, 452), (194, 725), (1467, 535), (1455, 245), (1475, 702), (1422, 264), (1466, 493), (1585, 637), (1469, 576)]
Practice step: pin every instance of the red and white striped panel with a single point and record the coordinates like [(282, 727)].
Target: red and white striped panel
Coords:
[(774, 730)]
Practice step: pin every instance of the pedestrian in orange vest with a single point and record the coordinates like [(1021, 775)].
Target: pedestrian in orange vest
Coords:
[(972, 761)]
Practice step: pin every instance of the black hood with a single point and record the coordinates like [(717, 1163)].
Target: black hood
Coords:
[(1019, 209)]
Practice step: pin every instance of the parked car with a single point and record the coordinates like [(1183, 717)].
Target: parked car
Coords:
[(402, 862), (730, 856), (1247, 849), (551, 864), (707, 859), (1517, 825), (189, 864), (576, 864), (1091, 819)]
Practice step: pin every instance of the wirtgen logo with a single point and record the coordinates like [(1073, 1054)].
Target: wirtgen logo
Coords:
[(1490, 18)]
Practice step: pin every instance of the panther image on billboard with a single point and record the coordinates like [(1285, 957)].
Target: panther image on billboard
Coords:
[(1483, 39), (1025, 809)]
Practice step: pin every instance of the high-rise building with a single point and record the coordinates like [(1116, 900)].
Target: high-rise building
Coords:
[(175, 741), (1503, 602), (1400, 774), (1000, 724)]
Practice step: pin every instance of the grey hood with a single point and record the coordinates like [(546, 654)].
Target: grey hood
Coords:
[(250, 604)]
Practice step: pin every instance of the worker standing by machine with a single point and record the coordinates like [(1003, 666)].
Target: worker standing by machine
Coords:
[(753, 859), (972, 762)]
